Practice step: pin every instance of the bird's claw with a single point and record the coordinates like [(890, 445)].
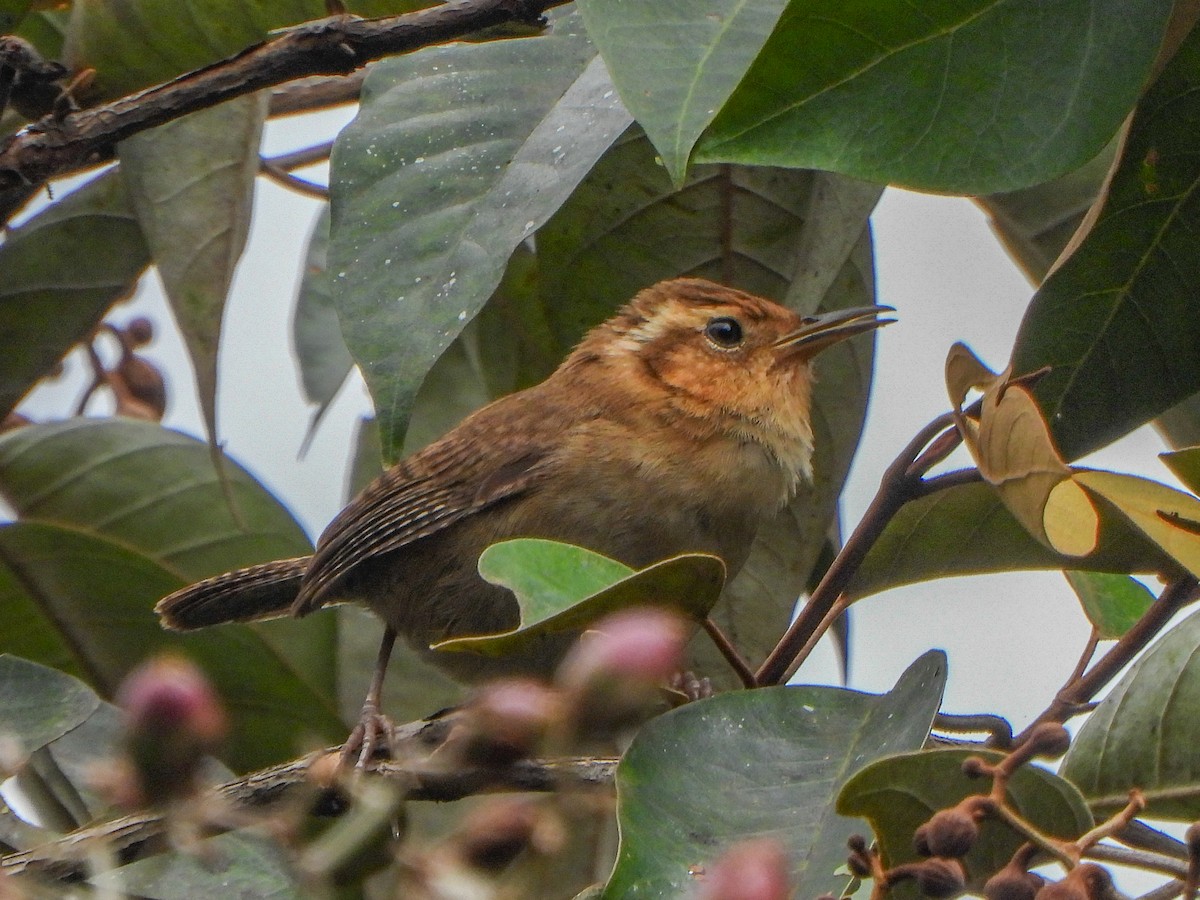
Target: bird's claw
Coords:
[(371, 739)]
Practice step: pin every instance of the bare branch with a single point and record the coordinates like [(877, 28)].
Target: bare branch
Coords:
[(56, 146), (417, 775)]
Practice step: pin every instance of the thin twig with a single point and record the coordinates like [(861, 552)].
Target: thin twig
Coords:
[(338, 45), (305, 156), (897, 487), (1140, 859), (1174, 597), (312, 94), (286, 179), (997, 727), (735, 659), (1085, 657)]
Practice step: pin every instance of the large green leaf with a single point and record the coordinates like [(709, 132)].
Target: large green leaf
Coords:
[(563, 588), (751, 763), (457, 155), (967, 530), (155, 491), (1035, 223), (147, 487), (969, 97), (192, 185), (135, 43), (321, 350), (48, 300), (84, 605), (899, 794), (798, 237), (1146, 732), (676, 63), (1117, 322)]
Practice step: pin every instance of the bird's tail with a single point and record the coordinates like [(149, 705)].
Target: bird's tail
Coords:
[(247, 595)]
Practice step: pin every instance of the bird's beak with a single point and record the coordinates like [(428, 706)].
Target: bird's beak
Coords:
[(827, 329)]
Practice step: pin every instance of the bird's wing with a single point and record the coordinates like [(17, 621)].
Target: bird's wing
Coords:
[(477, 465)]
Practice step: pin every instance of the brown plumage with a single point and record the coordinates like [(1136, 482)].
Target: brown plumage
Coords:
[(678, 425)]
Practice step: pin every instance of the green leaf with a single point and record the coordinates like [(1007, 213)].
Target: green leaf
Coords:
[(561, 588), (506, 347), (147, 487), (457, 155), (1146, 732), (1112, 603), (136, 43), (48, 301), (676, 64), (156, 491), (1180, 425), (239, 864), (927, 539), (38, 704), (1035, 223), (320, 348), (11, 14), (192, 185), (752, 763), (1116, 321), (899, 794), (995, 94), (84, 605)]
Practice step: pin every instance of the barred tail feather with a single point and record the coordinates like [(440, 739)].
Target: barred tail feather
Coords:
[(266, 591)]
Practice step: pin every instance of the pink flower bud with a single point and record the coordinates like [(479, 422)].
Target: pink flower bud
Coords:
[(172, 719), (644, 644), (750, 870)]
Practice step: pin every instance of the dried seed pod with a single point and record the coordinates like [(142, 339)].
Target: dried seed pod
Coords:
[(1013, 883), (949, 832), (494, 834), (941, 878), (937, 878), (139, 332), (140, 389), (1085, 882)]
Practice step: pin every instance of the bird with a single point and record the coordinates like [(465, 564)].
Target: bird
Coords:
[(680, 424)]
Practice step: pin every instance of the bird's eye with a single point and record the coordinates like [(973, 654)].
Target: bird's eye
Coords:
[(724, 331)]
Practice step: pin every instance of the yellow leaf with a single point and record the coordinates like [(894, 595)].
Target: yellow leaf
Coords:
[(1017, 456), (1170, 518), (965, 372), (1071, 523)]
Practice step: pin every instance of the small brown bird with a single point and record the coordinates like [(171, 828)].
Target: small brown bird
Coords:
[(678, 425)]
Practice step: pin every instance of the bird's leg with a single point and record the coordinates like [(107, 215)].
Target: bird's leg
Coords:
[(372, 724)]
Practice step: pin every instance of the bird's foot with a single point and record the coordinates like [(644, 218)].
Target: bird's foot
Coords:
[(691, 686), (371, 739)]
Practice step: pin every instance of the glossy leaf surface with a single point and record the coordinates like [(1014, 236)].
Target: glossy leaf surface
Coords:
[(748, 763), (996, 95), (458, 154)]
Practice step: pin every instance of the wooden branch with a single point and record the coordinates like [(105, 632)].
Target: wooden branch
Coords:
[(318, 92), (56, 146), (420, 778)]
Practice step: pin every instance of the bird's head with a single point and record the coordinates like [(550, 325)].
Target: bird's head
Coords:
[(727, 357)]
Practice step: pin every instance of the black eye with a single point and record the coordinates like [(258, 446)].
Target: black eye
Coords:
[(724, 331)]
